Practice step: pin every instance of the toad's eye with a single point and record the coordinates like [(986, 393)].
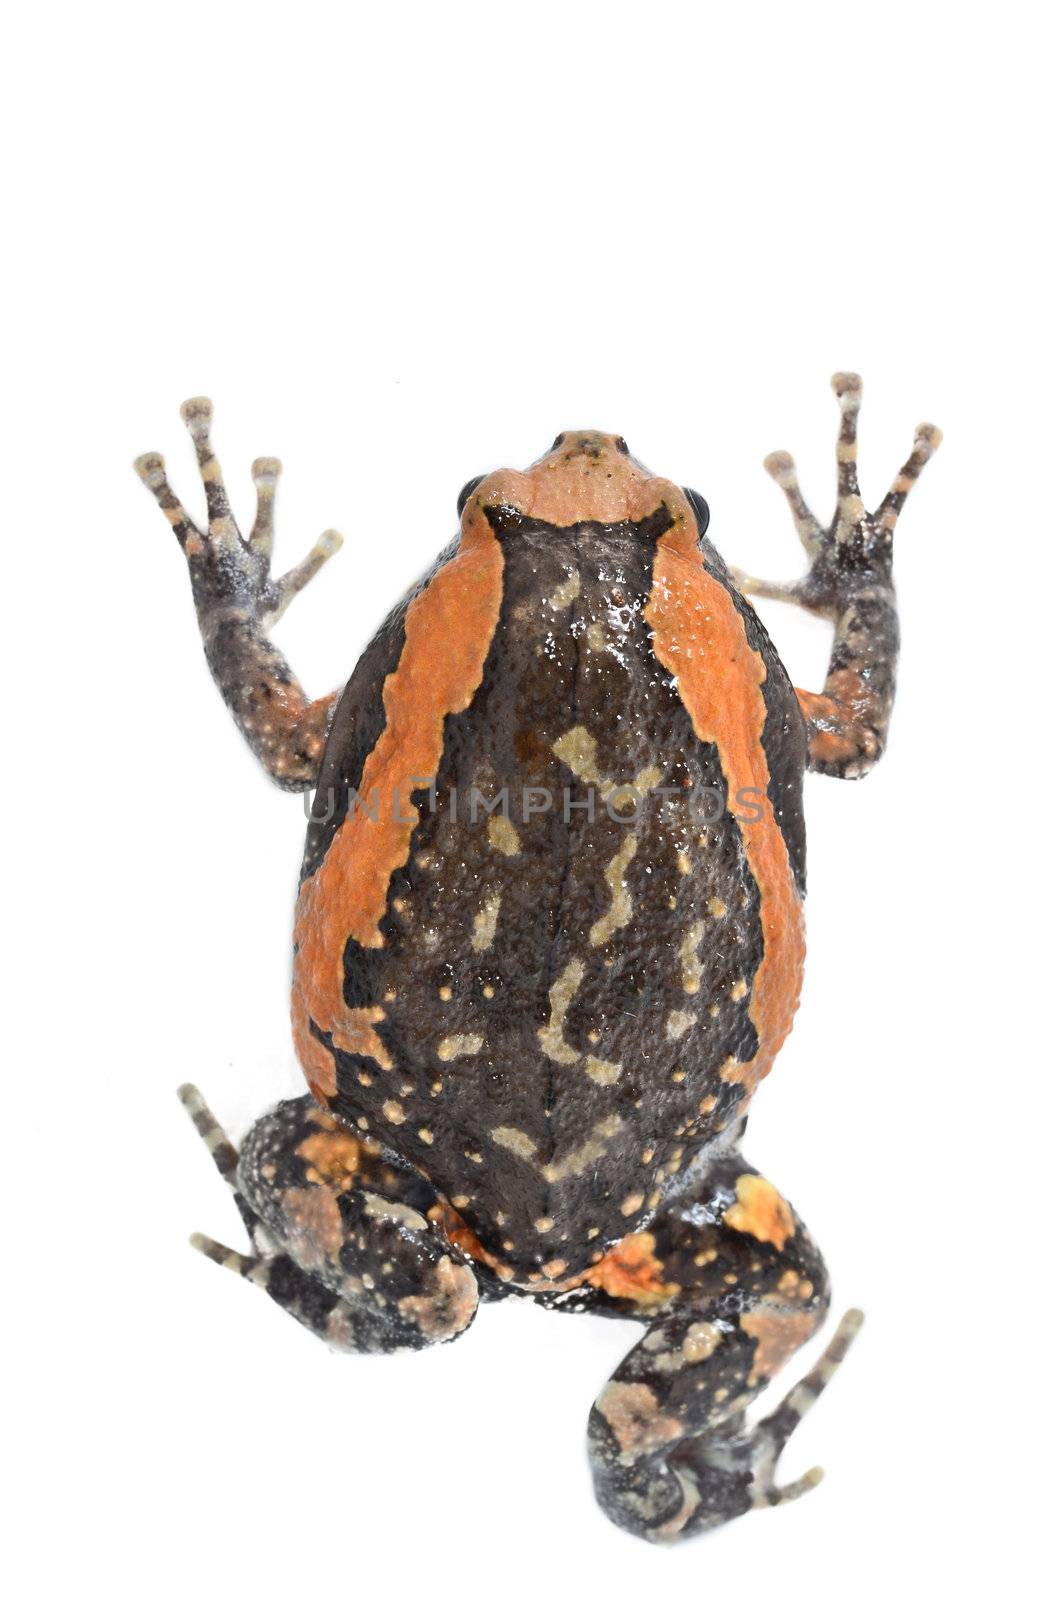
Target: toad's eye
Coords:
[(700, 507), (622, 447), (466, 492), (558, 440)]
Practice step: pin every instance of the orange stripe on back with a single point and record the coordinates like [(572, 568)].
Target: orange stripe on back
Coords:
[(700, 639), (448, 631)]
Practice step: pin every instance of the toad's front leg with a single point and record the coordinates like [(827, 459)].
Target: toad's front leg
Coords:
[(849, 581), (237, 602)]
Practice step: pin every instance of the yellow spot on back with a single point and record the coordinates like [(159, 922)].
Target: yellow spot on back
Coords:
[(560, 996), (485, 929), (583, 1155), (567, 592), (691, 966), (603, 1072), (620, 910), (393, 1112), (502, 835), (459, 1044), (577, 748), (515, 1140), (678, 1023)]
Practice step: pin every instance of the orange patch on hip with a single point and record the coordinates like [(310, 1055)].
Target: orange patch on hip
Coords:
[(332, 1157), (700, 639), (460, 1233), (448, 631), (760, 1211), (631, 1271)]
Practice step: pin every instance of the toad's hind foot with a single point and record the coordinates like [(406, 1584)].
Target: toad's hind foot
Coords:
[(349, 1244), (671, 1447), (688, 1465), (771, 1434)]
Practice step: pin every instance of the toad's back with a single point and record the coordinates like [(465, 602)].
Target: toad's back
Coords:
[(550, 945)]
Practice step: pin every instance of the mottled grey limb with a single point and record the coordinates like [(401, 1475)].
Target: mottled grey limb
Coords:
[(850, 582), (237, 601), (225, 1158), (337, 1239)]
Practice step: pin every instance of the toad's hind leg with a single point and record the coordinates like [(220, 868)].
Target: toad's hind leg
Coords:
[(347, 1241), (739, 1286)]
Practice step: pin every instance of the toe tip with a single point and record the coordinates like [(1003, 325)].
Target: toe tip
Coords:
[(265, 470), (329, 542), (780, 465), (151, 469), (197, 414), (847, 386)]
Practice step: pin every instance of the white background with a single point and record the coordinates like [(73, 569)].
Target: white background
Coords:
[(399, 247)]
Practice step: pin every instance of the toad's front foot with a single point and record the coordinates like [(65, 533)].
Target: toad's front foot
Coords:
[(849, 581), (856, 548), (227, 571), (237, 601)]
